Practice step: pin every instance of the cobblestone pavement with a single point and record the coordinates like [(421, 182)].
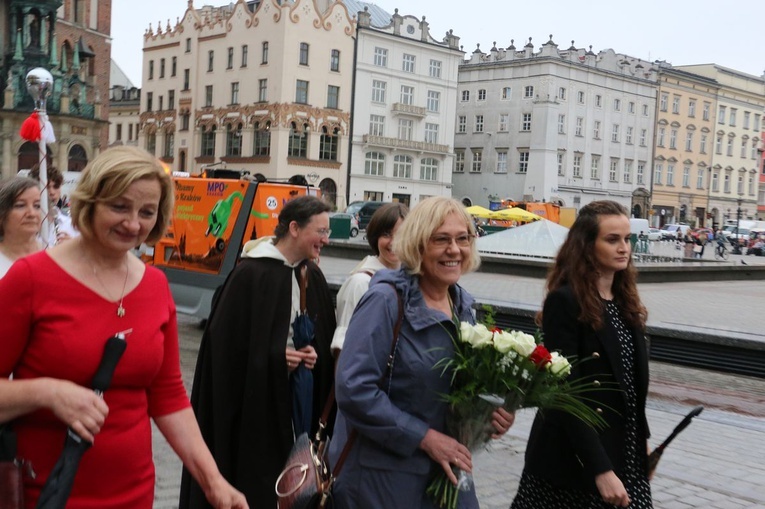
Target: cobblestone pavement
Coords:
[(716, 463)]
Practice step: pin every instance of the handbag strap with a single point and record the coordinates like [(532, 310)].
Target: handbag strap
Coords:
[(331, 398)]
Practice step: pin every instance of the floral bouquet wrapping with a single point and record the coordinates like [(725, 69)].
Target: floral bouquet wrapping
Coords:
[(495, 368)]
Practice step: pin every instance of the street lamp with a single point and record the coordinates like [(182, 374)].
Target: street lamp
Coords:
[(737, 246)]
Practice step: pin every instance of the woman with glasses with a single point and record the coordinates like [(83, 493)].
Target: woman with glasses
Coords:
[(398, 415), (380, 233), (241, 392)]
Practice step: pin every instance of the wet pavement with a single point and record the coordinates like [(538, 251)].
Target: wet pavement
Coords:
[(716, 463)]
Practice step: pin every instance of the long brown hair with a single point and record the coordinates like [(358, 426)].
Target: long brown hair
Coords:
[(576, 267)]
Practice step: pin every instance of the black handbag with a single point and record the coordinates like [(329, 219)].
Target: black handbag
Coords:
[(12, 471), (306, 480)]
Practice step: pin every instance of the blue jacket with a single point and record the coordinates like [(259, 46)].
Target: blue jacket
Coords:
[(386, 468)]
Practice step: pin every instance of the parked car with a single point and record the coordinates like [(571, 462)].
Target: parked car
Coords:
[(654, 234), (674, 231), (363, 211), (354, 222)]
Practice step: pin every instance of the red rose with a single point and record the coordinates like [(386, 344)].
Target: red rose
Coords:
[(540, 356)]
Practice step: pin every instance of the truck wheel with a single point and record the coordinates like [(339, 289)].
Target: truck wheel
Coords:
[(354, 232)]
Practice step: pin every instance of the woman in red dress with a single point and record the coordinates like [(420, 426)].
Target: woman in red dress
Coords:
[(65, 303)]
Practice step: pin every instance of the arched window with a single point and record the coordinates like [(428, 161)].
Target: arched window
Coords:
[(234, 140), (328, 144), (78, 159), (298, 145), (328, 191), (429, 169), (262, 142), (29, 155), (208, 142), (374, 164), (402, 167)]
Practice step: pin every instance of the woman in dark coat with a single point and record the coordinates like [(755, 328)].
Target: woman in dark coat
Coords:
[(593, 312)]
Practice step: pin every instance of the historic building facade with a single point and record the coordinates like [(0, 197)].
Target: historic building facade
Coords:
[(683, 148), (566, 126), (736, 141), (124, 108), (262, 86), (403, 112), (71, 40)]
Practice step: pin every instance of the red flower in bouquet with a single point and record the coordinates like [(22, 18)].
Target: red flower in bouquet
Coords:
[(540, 356)]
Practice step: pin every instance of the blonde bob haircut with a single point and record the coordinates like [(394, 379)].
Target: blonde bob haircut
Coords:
[(109, 175), (419, 226)]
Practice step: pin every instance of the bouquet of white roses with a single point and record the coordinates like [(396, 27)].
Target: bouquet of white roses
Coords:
[(494, 368)]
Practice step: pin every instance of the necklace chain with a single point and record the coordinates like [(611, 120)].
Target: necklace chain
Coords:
[(120, 307)]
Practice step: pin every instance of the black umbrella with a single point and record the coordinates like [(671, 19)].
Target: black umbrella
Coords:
[(301, 379), (56, 491), (655, 456)]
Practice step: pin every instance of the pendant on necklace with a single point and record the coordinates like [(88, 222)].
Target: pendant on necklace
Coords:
[(120, 311)]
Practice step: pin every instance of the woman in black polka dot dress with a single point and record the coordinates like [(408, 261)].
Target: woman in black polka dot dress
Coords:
[(593, 311)]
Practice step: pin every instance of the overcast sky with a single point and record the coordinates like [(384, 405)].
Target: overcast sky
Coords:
[(681, 32)]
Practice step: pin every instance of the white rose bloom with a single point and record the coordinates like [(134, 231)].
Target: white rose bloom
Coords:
[(503, 341), (559, 365), (523, 343), (478, 336)]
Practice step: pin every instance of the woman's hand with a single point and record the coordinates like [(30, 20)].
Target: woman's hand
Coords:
[(307, 355), (501, 419), (446, 451), (222, 495), (77, 407), (611, 489)]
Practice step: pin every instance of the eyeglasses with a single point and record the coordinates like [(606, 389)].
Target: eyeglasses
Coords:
[(444, 241), (324, 232)]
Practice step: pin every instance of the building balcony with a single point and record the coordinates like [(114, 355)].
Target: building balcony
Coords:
[(409, 109), (419, 146)]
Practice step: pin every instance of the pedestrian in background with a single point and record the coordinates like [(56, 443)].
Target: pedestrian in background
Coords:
[(65, 303), (380, 235), (60, 221), (241, 393), (593, 311), (20, 219), (401, 420)]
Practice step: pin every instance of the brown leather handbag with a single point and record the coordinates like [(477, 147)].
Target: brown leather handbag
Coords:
[(11, 471)]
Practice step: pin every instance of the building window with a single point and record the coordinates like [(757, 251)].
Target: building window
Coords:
[(303, 59), (431, 133), (233, 140), (579, 126), (613, 170), (462, 124), (298, 141), (235, 92), (301, 92), (561, 124), (523, 161), (670, 174), (429, 169), (230, 58), (186, 79), (118, 135), (381, 57), (171, 99), (482, 94), (726, 183), (562, 93), (580, 97), (598, 101), (691, 108), (596, 129), (715, 182), (185, 120), (262, 139), (627, 177), (407, 64), (378, 91), (173, 67), (377, 125), (673, 138), (733, 112), (628, 136), (151, 69), (595, 168), (617, 105), (208, 143), (435, 69), (718, 144), (561, 164), (526, 122), (746, 119), (245, 51), (169, 147), (407, 95), (751, 186), (729, 150), (188, 45), (374, 164), (208, 96), (264, 53), (504, 122), (639, 176), (703, 144), (328, 144), (615, 133), (333, 97), (643, 137), (161, 67), (475, 166), (631, 107), (262, 90), (661, 136), (676, 104), (577, 166), (161, 104), (501, 161), (743, 149), (478, 124), (459, 161), (664, 102), (528, 92), (657, 171), (210, 60), (149, 101), (689, 141), (402, 167), (645, 110), (334, 60), (721, 115), (505, 95), (686, 176), (151, 143), (700, 178), (405, 129)]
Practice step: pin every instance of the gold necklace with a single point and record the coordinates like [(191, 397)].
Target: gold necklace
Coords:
[(120, 307)]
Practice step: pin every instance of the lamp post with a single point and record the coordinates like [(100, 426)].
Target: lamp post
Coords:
[(737, 246)]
